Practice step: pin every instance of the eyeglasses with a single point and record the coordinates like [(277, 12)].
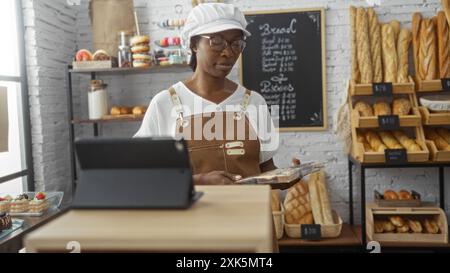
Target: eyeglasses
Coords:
[(219, 44)]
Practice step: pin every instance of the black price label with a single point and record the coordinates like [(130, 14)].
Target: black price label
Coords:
[(310, 232), (445, 84), (389, 122), (382, 89), (395, 156)]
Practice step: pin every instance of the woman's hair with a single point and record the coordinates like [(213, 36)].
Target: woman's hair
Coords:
[(193, 60)]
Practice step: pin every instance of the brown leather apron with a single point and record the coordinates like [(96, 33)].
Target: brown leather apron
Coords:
[(232, 146)]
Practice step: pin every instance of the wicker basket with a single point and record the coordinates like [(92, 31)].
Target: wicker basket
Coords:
[(278, 219), (327, 231)]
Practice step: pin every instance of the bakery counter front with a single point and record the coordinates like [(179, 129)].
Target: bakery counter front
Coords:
[(224, 219)]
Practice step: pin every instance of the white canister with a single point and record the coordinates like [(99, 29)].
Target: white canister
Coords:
[(97, 100)]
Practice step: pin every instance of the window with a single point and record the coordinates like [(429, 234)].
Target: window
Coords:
[(16, 174)]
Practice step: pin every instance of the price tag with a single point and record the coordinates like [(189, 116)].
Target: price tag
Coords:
[(310, 232), (382, 89), (445, 84), (389, 122), (396, 156)]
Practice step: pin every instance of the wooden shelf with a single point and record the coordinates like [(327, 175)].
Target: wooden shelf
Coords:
[(119, 119), (133, 70), (347, 238)]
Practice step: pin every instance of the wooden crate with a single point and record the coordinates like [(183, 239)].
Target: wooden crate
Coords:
[(435, 154), (428, 85), (87, 65), (397, 88), (430, 118), (374, 212), (360, 154), (327, 231), (381, 202)]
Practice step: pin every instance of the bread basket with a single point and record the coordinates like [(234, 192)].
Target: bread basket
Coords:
[(278, 219), (327, 231)]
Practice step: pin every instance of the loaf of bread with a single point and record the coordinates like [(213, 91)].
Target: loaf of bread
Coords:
[(446, 7), (431, 226), (139, 110), (389, 53), (115, 110), (404, 195), (125, 110), (364, 109), (275, 201), (444, 133), (440, 142), (356, 76), (375, 45), (375, 142), (388, 226), (389, 140), (443, 45), (401, 107), (363, 46), (403, 229), (416, 22), (390, 195), (381, 108), (297, 203), (378, 227), (403, 42), (397, 221), (325, 204), (396, 28), (427, 52), (408, 143), (415, 226), (362, 139)]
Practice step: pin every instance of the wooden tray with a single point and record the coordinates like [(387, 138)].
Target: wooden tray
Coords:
[(373, 212), (429, 118), (361, 155), (122, 116), (327, 231), (366, 89), (428, 85), (416, 202), (435, 154), (86, 65), (412, 120)]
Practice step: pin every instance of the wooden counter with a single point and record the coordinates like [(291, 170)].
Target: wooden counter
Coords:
[(225, 219)]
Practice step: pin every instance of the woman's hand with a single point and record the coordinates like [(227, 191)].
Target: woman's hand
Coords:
[(216, 178)]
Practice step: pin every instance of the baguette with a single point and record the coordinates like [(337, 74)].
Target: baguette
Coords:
[(396, 28), (403, 42), (408, 143), (416, 22), (443, 45), (375, 45), (356, 74), (389, 140), (363, 46), (324, 198), (444, 133), (427, 52), (446, 7), (375, 142), (440, 142), (315, 199), (275, 201), (389, 54)]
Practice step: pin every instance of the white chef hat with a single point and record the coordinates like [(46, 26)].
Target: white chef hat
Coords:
[(211, 18)]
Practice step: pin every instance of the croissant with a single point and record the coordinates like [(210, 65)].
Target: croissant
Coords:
[(375, 142), (364, 109), (401, 107), (409, 143), (441, 144), (390, 140), (381, 108)]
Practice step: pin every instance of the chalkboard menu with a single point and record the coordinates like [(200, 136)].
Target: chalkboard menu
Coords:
[(284, 61)]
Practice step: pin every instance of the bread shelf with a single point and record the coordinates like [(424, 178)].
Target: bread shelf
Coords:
[(429, 118), (133, 70), (125, 118), (366, 89), (412, 120)]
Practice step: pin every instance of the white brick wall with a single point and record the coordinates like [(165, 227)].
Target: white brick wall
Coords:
[(138, 89)]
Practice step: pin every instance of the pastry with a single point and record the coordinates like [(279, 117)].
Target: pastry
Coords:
[(416, 21), (375, 142), (19, 204), (5, 221), (389, 140), (396, 28), (115, 110), (440, 142), (427, 52), (390, 195), (375, 45), (403, 42), (364, 109), (5, 203), (388, 226), (125, 110), (39, 203), (363, 46), (443, 45), (297, 203), (403, 229), (275, 200), (379, 227), (139, 110), (389, 54), (381, 108), (444, 133), (397, 221), (401, 107), (415, 226), (307, 219), (404, 195), (431, 226), (408, 143), (356, 76)]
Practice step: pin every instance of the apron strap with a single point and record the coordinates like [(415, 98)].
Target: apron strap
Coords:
[(176, 102), (246, 100)]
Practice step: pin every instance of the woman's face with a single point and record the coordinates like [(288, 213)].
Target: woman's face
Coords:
[(212, 60)]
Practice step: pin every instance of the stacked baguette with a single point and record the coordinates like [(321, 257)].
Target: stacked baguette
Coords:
[(382, 140), (431, 46), (400, 106), (379, 51)]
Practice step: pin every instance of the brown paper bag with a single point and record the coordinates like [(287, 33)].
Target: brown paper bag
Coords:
[(108, 18), (3, 119)]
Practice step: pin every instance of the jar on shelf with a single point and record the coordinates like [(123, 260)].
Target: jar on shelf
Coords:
[(97, 100), (124, 53)]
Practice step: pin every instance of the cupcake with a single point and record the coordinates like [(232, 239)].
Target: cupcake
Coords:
[(19, 204), (39, 203), (5, 203)]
